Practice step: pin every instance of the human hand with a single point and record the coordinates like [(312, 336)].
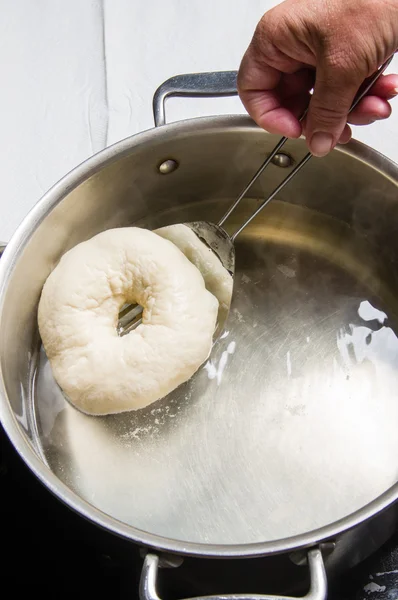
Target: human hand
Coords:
[(331, 45)]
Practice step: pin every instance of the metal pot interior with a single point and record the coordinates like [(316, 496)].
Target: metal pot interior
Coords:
[(291, 425)]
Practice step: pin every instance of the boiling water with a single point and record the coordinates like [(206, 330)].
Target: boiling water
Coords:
[(290, 425)]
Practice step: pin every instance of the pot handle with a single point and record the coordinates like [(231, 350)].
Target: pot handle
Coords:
[(193, 85), (317, 591)]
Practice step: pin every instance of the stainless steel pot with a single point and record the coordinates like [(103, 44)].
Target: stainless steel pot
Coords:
[(285, 443)]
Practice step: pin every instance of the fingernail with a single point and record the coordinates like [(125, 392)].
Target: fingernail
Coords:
[(321, 143)]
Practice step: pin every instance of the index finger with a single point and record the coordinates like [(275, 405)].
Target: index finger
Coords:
[(261, 90)]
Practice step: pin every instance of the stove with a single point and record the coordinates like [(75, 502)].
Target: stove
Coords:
[(51, 551)]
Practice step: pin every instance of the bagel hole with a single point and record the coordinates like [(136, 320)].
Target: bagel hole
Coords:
[(130, 316)]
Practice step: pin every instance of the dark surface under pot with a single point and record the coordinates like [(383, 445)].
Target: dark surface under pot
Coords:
[(51, 551)]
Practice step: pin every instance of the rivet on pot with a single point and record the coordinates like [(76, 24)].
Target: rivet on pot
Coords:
[(299, 558), (168, 166), (282, 160)]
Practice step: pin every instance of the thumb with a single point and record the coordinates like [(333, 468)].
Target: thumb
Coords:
[(334, 92)]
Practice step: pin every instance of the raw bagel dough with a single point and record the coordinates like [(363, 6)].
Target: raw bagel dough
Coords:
[(100, 372), (217, 279)]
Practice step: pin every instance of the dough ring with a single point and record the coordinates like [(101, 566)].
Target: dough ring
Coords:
[(100, 372), (217, 279)]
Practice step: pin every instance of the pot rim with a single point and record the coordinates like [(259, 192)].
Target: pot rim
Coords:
[(24, 447)]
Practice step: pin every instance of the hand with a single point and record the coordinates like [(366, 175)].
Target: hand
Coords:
[(331, 45)]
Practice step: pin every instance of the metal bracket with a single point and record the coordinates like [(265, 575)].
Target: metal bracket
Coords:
[(317, 591)]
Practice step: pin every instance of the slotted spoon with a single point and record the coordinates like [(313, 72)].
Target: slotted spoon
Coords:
[(215, 237)]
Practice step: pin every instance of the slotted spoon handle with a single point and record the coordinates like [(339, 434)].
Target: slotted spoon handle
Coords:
[(368, 84)]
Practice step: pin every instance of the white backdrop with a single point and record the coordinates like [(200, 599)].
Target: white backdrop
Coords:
[(80, 74)]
